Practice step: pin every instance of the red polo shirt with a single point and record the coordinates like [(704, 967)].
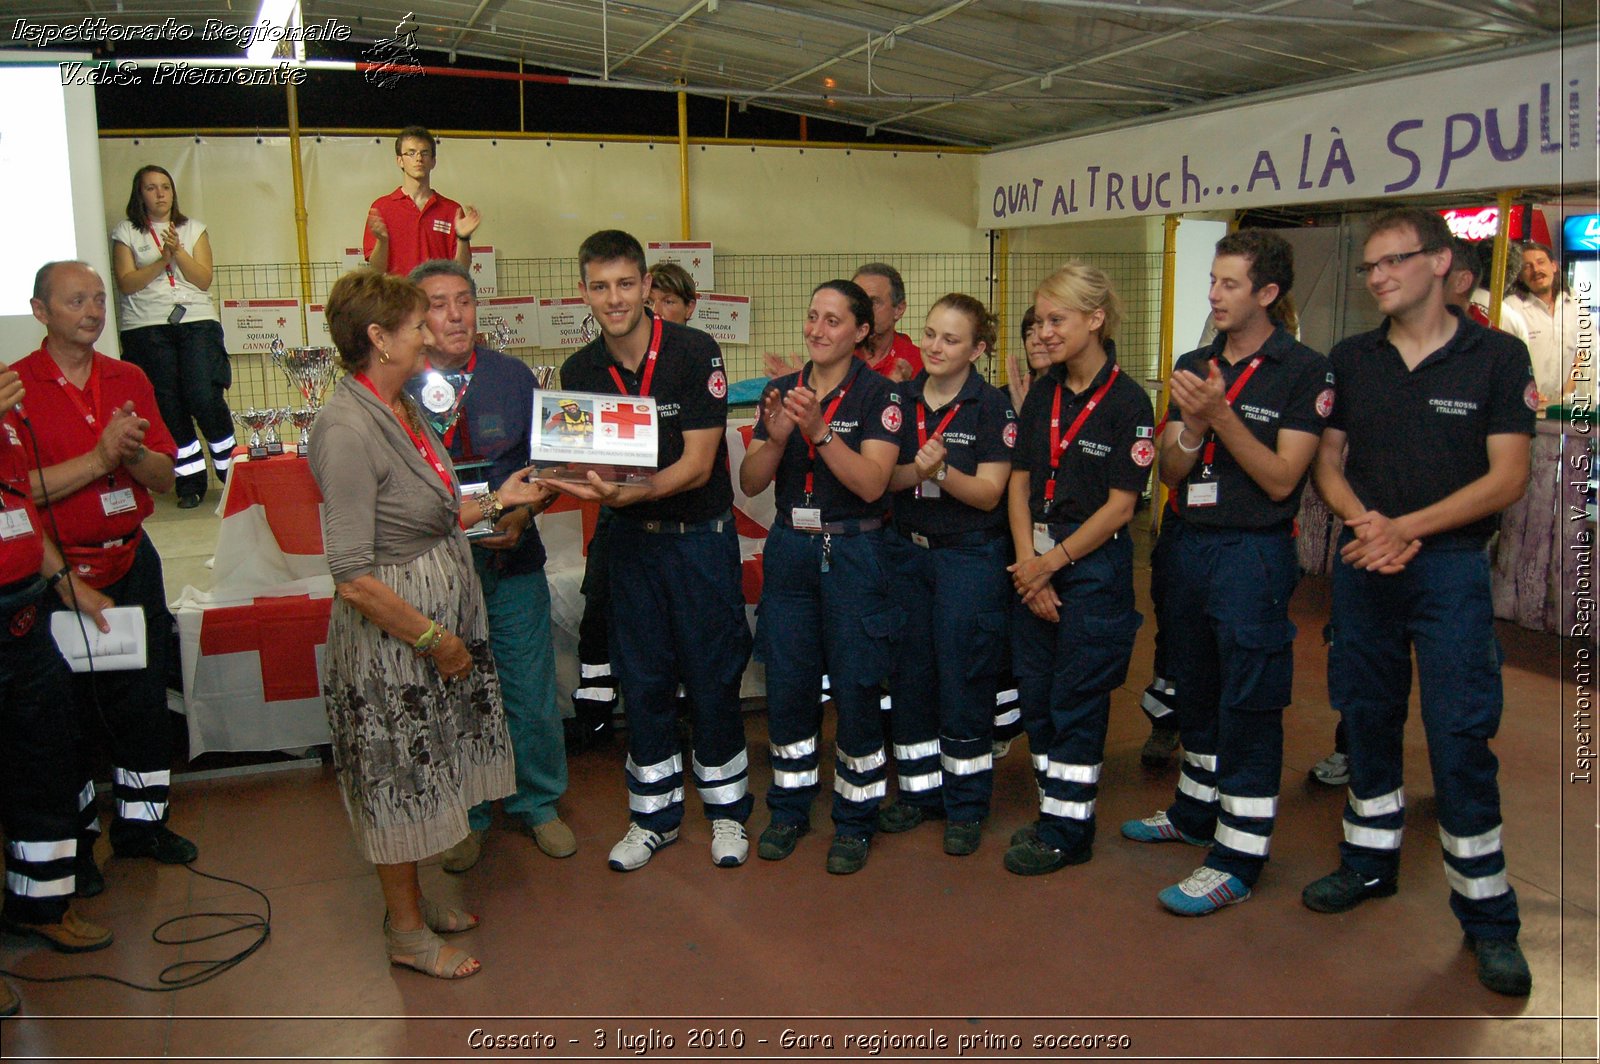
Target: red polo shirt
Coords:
[(21, 549), (61, 418), (902, 348), (414, 236)]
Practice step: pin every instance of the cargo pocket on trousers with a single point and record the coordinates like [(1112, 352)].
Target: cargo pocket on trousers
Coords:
[(882, 635), (991, 635), (1102, 646), (1262, 674)]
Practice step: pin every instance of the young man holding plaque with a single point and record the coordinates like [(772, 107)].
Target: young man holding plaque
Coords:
[(98, 448), (481, 403), (677, 606), (414, 223)]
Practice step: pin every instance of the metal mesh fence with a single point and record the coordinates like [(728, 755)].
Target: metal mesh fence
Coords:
[(780, 290)]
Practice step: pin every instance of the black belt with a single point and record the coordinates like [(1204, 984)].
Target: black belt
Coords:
[(840, 528), (935, 540), (681, 528)]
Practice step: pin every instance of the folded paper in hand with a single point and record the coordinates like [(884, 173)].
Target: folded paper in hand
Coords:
[(119, 650)]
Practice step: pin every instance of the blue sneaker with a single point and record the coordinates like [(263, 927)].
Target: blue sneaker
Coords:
[(1205, 891), (1158, 829)]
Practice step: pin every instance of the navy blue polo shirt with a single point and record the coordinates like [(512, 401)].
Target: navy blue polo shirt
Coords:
[(1292, 388), (982, 430), (690, 387), (1113, 449), (495, 426), (870, 410), (1416, 436)]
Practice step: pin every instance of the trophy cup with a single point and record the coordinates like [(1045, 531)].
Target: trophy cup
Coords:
[(311, 370), (276, 415), (301, 418), (542, 376), (255, 420), (494, 332)]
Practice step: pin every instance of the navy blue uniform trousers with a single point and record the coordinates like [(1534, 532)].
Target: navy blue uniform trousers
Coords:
[(1438, 606), (952, 654), (678, 615), (1066, 672), (1230, 651), (842, 622)]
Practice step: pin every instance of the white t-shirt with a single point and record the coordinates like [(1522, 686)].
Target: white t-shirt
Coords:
[(153, 303), (1511, 319), (1553, 342)]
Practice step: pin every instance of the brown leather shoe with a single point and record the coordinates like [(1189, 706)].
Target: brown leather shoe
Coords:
[(555, 838), (10, 1002), (464, 854), (73, 934)]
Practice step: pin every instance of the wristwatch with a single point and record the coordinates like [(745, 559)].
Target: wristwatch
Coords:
[(944, 470)]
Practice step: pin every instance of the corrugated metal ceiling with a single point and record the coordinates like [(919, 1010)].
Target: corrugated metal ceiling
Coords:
[(984, 72)]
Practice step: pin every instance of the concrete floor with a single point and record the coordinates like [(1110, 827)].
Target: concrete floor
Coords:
[(916, 943)]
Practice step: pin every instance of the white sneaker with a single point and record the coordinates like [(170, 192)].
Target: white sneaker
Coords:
[(729, 845), (1334, 770), (637, 847)]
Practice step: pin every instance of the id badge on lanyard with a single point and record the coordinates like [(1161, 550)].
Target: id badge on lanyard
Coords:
[(15, 524), (117, 501), (1043, 542), (806, 518), (1203, 492)]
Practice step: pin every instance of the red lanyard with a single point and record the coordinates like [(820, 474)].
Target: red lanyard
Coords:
[(649, 364), (461, 404), (424, 448), (922, 424), (90, 410), (1233, 393), (171, 280), (1059, 443), (827, 419)]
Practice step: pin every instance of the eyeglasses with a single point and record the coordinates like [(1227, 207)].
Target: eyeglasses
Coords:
[(416, 153), (1390, 263)]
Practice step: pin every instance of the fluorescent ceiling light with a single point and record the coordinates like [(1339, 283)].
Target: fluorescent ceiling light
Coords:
[(279, 15)]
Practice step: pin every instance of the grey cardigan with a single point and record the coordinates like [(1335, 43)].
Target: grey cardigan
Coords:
[(383, 504)]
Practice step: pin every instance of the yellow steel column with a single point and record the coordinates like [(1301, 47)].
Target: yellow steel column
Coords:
[(1496, 281), (1169, 300), (301, 241), (683, 166), (1002, 300)]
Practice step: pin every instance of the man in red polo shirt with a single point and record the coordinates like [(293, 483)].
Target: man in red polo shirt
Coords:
[(414, 223), (98, 448), (888, 351)]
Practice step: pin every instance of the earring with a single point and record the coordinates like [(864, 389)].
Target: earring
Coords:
[(383, 356)]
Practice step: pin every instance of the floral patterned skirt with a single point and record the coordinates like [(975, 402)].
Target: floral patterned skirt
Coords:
[(413, 753)]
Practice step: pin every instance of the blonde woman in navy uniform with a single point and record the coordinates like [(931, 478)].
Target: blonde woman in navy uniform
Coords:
[(827, 441), (949, 552), (1083, 456)]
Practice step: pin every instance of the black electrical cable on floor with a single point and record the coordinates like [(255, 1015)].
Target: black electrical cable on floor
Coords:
[(169, 979), (260, 923)]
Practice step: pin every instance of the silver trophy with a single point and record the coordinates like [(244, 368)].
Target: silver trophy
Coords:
[(494, 332), (312, 371), (301, 418), (542, 376), (276, 415), (255, 420)]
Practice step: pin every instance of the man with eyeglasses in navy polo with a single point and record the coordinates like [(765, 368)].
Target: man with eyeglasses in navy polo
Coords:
[(1437, 412)]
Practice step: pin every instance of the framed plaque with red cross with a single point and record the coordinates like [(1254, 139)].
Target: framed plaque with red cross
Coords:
[(576, 432)]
